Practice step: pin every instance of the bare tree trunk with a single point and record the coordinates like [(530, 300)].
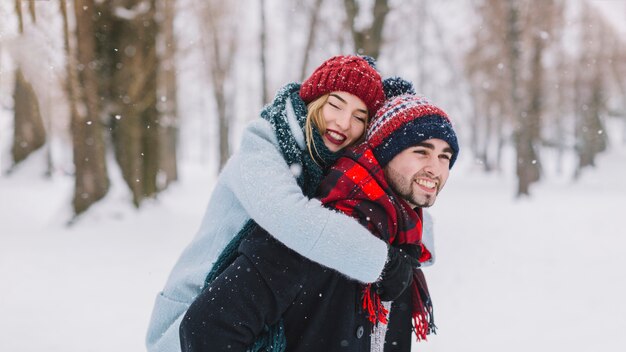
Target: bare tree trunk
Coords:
[(310, 41), (132, 64), (265, 94), (591, 130), (564, 84), (20, 17), (220, 54), (486, 143), (48, 122), (91, 179), (29, 133), (420, 45), (220, 69), (618, 68), (501, 144), (591, 134), (31, 10), (224, 126), (474, 118), (367, 41), (168, 102), (526, 157), (531, 123), (492, 66)]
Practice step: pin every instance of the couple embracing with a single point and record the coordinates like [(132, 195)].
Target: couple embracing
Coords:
[(314, 236)]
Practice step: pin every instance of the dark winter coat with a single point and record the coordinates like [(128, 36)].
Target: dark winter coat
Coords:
[(321, 310)]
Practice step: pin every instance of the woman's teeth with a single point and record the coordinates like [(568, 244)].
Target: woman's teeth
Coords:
[(336, 136)]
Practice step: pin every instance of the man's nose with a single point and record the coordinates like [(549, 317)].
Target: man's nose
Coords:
[(432, 167)]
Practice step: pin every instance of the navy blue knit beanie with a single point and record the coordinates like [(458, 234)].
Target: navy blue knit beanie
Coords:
[(394, 86), (404, 121)]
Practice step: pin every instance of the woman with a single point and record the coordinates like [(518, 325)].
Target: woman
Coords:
[(271, 179)]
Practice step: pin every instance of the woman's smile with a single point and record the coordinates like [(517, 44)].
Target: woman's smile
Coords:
[(335, 137)]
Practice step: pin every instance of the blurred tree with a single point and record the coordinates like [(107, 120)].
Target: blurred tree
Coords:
[(618, 75), (420, 45), (590, 86), (219, 44), (312, 29), (91, 181), (529, 104), (264, 93), (558, 104), (115, 77), (167, 88), (618, 68), (487, 71), (126, 35), (29, 133), (507, 78), (527, 159), (367, 40)]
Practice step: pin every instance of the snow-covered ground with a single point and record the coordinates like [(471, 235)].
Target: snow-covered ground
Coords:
[(540, 274)]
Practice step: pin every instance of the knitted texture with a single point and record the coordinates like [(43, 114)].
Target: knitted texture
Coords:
[(352, 74), (273, 340), (312, 172), (405, 121), (394, 86)]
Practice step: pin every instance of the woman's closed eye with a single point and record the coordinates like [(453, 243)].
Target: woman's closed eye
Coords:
[(360, 118), (334, 105)]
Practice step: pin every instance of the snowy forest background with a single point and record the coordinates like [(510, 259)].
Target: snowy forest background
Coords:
[(116, 116)]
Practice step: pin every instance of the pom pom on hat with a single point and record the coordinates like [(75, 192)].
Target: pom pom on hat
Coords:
[(394, 86), (346, 73), (370, 60), (405, 121)]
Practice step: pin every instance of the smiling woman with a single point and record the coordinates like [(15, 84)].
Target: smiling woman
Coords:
[(344, 120)]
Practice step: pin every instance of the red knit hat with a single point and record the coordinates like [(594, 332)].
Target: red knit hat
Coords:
[(350, 73)]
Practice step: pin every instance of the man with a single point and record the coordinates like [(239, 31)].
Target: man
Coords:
[(384, 183)]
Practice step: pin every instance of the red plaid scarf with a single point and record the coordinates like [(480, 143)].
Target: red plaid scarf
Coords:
[(356, 185)]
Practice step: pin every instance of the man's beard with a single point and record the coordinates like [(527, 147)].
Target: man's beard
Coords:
[(405, 188)]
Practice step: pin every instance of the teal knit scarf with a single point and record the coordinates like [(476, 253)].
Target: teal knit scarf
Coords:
[(312, 171)]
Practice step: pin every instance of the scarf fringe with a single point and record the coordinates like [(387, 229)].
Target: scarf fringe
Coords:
[(423, 317), (376, 312)]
